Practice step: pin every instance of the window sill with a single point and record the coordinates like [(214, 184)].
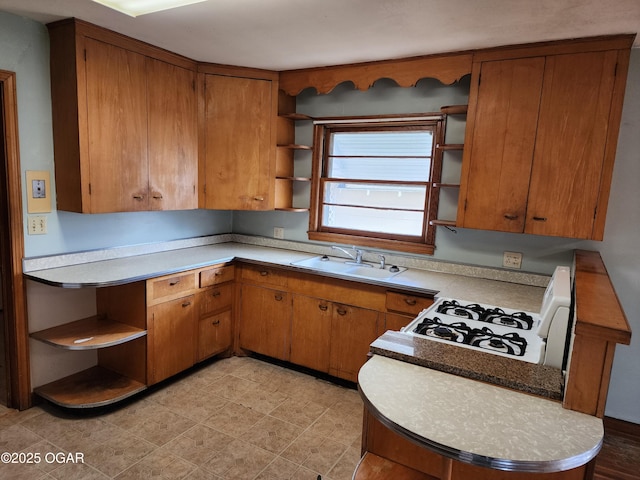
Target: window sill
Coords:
[(385, 244)]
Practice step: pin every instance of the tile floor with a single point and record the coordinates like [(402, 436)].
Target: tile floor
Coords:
[(236, 418)]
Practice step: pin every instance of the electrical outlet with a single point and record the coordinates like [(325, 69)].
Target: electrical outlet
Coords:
[(278, 232), (512, 260), (37, 225)]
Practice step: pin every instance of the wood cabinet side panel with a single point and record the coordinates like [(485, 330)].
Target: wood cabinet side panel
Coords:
[(128, 359), (123, 303), (68, 105)]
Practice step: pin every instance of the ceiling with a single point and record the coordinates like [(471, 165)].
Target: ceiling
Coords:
[(290, 34)]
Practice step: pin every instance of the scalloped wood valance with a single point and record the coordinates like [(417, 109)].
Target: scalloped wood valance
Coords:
[(405, 72)]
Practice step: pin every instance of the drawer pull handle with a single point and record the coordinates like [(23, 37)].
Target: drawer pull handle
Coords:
[(410, 301), (540, 219), (215, 293), (341, 311), (186, 304), (278, 297), (215, 322), (264, 273), (174, 282), (158, 196), (138, 197), (217, 273), (258, 199), (510, 216), (322, 307)]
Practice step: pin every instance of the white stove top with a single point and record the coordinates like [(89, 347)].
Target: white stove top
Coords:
[(526, 336)]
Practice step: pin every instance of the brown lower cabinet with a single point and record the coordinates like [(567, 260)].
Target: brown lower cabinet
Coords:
[(265, 321), (409, 461), (171, 333)]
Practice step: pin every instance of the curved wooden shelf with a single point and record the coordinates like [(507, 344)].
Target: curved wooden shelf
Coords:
[(94, 387), (88, 334)]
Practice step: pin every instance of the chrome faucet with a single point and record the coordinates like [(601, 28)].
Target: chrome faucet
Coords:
[(357, 258)]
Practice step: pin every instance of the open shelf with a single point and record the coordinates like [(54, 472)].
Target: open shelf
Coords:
[(454, 109), (94, 387), (450, 146), (88, 334), (296, 116), (443, 223)]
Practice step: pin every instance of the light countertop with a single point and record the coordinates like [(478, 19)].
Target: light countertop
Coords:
[(99, 270), (475, 422)]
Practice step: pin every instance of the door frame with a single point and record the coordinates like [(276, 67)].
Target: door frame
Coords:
[(12, 251)]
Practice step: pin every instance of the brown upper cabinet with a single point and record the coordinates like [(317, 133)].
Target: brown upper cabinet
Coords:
[(124, 123), (238, 162), (541, 136)]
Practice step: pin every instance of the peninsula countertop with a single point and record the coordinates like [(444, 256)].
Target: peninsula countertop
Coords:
[(475, 422)]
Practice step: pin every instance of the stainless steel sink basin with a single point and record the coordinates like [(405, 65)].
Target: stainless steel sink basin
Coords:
[(347, 267)]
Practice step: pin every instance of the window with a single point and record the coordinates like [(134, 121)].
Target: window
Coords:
[(372, 181)]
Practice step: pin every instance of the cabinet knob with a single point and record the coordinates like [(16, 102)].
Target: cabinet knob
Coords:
[(215, 293), (186, 304), (540, 219), (341, 311), (323, 307), (410, 301), (278, 297), (215, 322), (264, 273), (510, 216)]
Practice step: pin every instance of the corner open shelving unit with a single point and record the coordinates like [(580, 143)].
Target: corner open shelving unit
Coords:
[(448, 181), (287, 152), (118, 335)]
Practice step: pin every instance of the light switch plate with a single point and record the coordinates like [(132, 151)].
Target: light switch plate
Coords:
[(38, 191)]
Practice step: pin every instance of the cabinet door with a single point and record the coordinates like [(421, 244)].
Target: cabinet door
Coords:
[(311, 332), (239, 150), (497, 163), (173, 142), (353, 329), (265, 321), (214, 334), (171, 336), (116, 128), (570, 146)]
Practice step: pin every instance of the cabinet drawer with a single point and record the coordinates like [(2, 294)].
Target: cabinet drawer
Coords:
[(264, 275), (216, 298), (213, 276), (407, 303), (169, 287)]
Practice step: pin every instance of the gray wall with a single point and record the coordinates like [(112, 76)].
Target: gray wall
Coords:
[(24, 49)]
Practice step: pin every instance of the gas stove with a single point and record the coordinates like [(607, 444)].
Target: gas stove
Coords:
[(527, 336)]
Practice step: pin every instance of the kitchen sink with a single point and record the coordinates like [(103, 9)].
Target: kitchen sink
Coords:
[(341, 266)]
